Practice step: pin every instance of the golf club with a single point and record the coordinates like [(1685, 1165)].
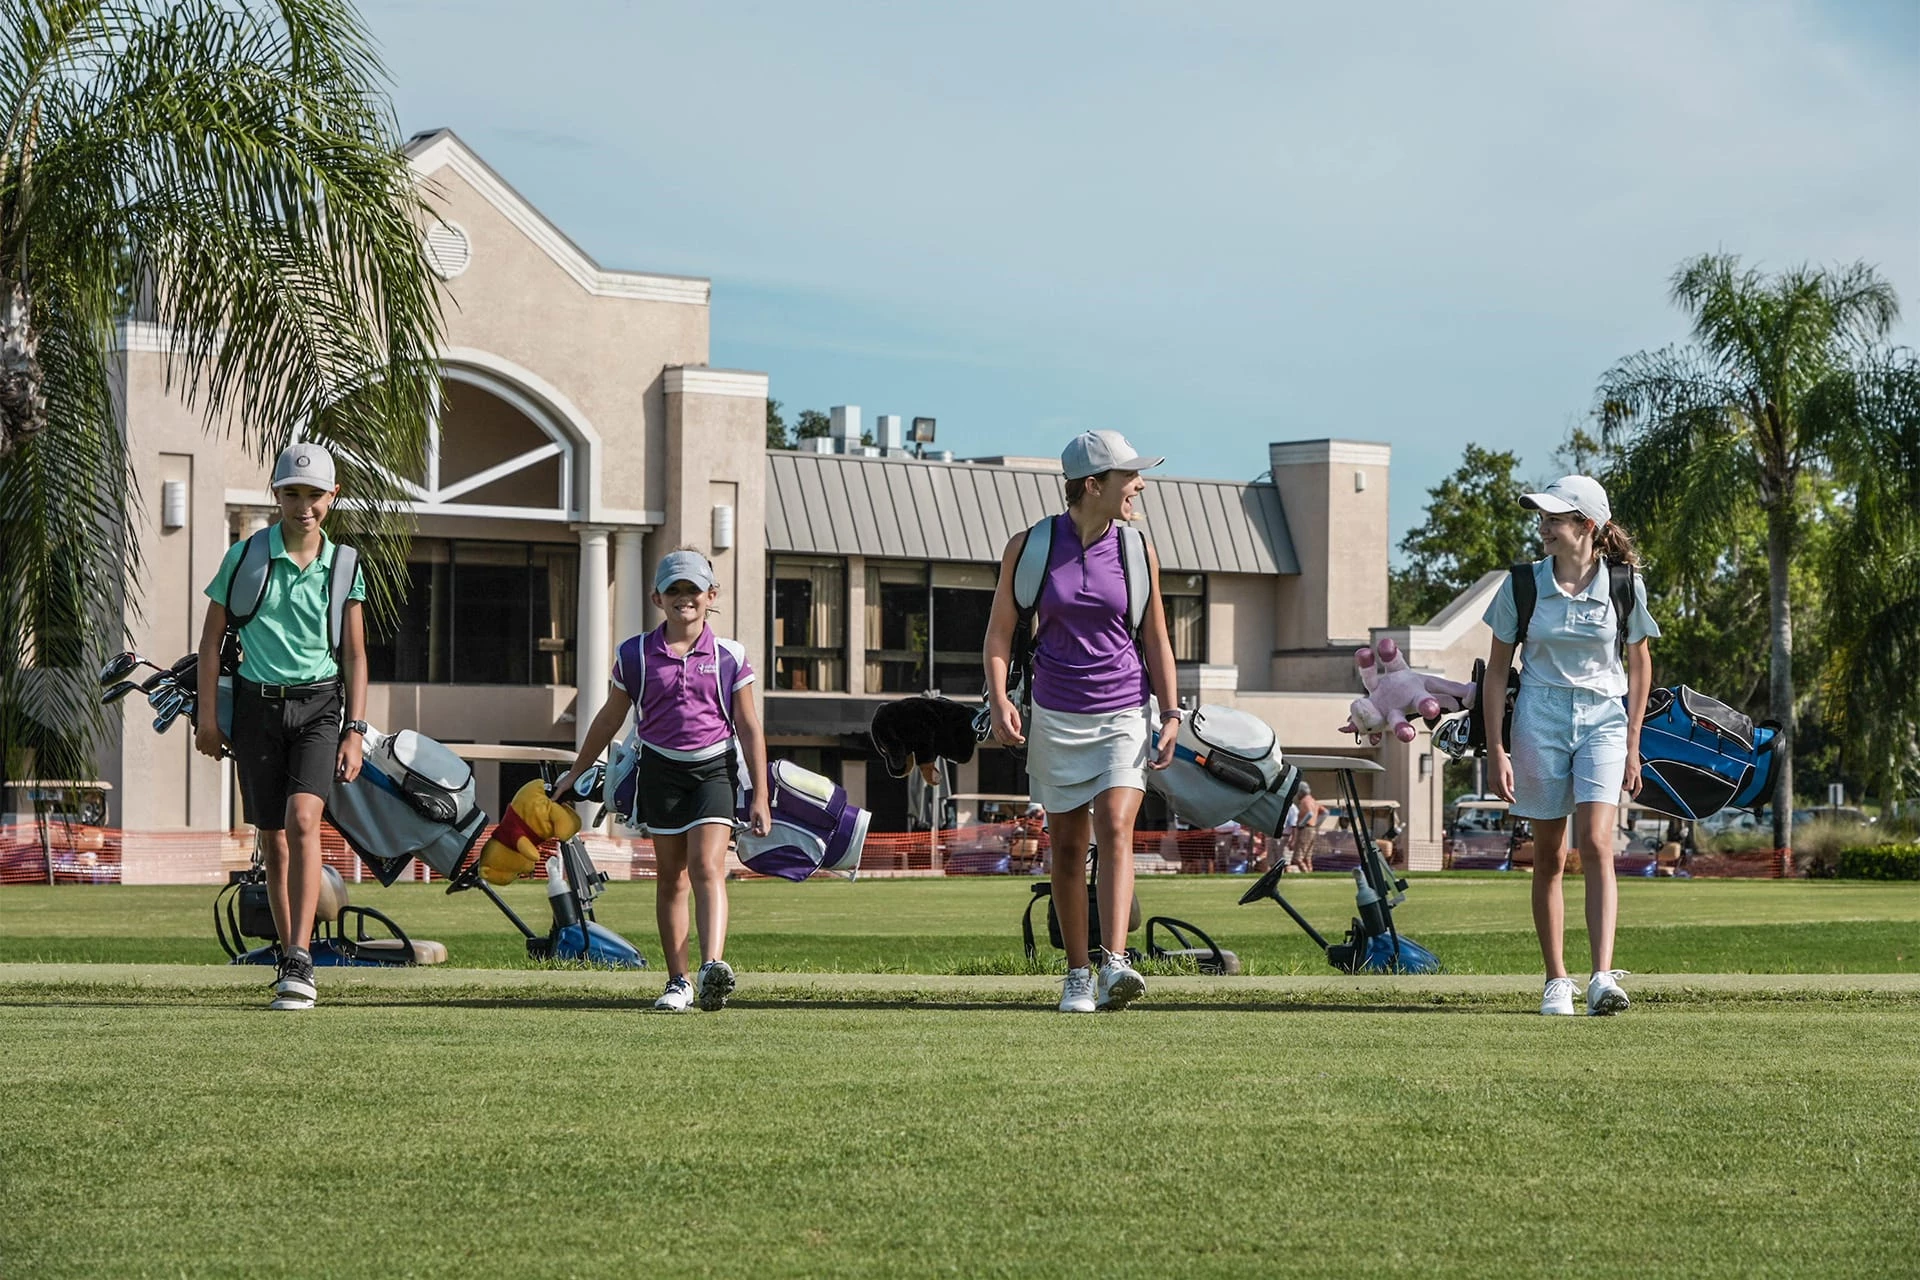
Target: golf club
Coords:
[(118, 692), (119, 667)]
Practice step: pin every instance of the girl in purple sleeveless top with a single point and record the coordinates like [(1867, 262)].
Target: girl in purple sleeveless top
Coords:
[(692, 697), (1092, 717)]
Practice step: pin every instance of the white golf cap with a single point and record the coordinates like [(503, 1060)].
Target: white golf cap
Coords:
[(1572, 493), (683, 566), (1091, 452), (304, 464)]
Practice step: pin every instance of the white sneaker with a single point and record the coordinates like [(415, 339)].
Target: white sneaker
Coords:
[(716, 984), (1120, 986), (1604, 996), (1077, 995), (1558, 998), (677, 998)]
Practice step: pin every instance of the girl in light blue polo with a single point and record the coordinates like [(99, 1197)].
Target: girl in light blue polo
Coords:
[(1576, 724)]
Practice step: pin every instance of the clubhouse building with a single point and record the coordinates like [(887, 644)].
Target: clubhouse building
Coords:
[(583, 434)]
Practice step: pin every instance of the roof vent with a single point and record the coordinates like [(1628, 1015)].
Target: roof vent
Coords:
[(448, 250)]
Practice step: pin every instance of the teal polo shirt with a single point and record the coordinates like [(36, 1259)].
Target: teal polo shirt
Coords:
[(285, 642)]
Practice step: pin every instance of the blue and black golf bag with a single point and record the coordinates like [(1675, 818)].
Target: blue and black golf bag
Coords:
[(1699, 756)]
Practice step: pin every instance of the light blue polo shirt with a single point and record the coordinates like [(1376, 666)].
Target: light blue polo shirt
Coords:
[(285, 642), (1571, 638)]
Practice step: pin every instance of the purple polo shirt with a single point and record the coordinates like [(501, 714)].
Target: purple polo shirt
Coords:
[(1085, 660), (679, 703)]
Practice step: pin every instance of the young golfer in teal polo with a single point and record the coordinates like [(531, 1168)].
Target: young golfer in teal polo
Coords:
[(288, 744)]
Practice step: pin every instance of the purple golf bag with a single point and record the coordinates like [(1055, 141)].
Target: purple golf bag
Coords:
[(814, 828)]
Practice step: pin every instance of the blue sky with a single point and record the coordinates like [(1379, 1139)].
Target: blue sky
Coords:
[(1207, 225)]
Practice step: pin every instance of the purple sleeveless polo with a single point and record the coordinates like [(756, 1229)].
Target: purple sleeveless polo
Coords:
[(1085, 661)]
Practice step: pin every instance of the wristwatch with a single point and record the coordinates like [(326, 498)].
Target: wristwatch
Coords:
[(355, 726), (1172, 713)]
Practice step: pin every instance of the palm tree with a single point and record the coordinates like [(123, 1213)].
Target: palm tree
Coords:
[(1747, 416), (1872, 678), (229, 170)]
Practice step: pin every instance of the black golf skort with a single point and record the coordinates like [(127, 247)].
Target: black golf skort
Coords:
[(673, 796), (284, 747)]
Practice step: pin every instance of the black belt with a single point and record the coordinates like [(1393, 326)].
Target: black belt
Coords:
[(291, 692)]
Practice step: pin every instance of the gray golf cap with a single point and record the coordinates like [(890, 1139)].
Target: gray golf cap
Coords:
[(304, 464), (683, 566), (1092, 452), (1572, 493)]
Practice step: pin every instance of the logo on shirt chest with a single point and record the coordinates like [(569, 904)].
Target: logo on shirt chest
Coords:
[(708, 668)]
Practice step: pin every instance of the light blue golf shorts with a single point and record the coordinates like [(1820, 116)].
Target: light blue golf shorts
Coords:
[(1569, 747)]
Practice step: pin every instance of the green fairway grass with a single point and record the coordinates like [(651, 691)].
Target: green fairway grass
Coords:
[(532, 1123), (1477, 924)]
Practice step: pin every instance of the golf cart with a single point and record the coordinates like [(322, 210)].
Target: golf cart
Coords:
[(1336, 845), (1483, 836)]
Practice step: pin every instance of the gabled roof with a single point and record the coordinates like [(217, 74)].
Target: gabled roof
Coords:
[(438, 149), (902, 508)]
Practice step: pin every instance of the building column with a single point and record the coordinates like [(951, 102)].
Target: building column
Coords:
[(593, 648), (630, 584)]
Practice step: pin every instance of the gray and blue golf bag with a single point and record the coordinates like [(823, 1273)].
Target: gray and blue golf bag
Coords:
[(1699, 756), (414, 798)]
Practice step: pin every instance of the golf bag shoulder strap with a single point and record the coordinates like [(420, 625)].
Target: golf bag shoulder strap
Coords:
[(1030, 572), (1138, 568), (732, 657), (730, 660), (1525, 596), (247, 585), (1620, 591), (340, 580)]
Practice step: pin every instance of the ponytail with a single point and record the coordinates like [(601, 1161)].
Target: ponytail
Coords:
[(1616, 544)]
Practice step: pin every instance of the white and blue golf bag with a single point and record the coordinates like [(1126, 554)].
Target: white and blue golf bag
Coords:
[(1227, 767)]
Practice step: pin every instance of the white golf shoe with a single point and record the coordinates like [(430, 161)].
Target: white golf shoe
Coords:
[(1558, 998), (1120, 985), (1604, 996), (715, 985), (677, 998), (1076, 996)]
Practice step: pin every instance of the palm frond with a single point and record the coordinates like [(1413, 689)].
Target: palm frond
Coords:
[(232, 170)]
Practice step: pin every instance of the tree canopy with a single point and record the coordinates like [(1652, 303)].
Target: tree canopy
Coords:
[(230, 173)]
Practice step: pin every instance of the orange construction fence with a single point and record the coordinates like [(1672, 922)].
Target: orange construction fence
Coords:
[(75, 854)]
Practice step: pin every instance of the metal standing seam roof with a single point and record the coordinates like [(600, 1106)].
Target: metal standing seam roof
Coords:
[(905, 509)]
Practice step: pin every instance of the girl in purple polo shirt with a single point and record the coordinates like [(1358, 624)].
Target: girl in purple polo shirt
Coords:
[(694, 720), (1087, 745)]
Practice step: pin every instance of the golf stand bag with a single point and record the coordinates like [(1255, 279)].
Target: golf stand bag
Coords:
[(241, 911), (1227, 767), (1207, 958), (1373, 943)]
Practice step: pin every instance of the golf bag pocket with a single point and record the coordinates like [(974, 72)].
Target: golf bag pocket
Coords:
[(620, 785), (1225, 764), (435, 781), (1698, 755), (814, 827)]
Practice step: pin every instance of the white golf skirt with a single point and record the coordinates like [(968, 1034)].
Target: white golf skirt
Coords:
[(1074, 756)]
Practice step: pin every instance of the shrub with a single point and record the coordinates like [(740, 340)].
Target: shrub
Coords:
[(1880, 862), (1817, 845)]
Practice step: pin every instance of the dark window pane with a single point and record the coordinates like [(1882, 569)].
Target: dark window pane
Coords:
[(897, 628), (491, 614), (959, 634)]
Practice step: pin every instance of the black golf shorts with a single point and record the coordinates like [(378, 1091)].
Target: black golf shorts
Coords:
[(283, 747)]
